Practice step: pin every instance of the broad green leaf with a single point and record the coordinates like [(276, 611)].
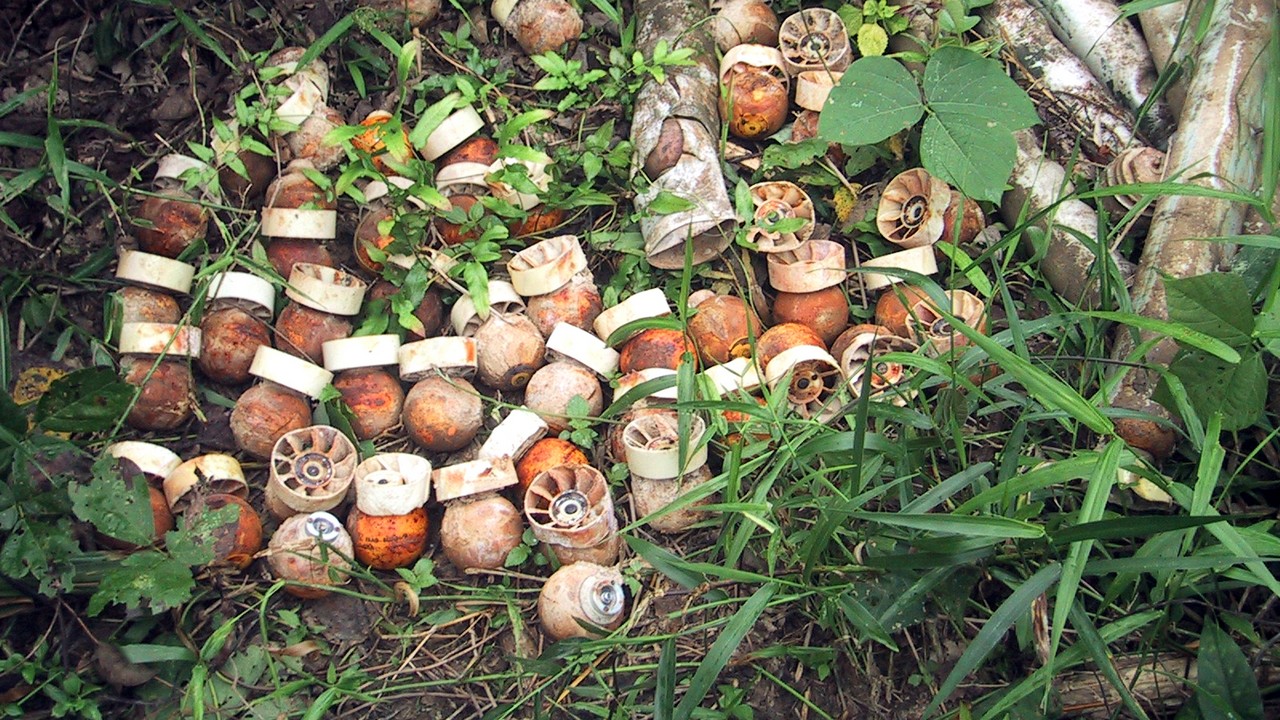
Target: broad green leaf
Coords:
[(969, 88), (974, 106), (1238, 391), (1228, 688), (976, 158), (876, 98), (722, 650), (118, 507), (431, 119), (147, 577), (86, 400), (667, 203), (1177, 331), (1215, 304), (193, 543), (793, 155)]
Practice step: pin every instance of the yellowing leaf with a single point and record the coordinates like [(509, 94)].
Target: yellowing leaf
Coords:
[(872, 40)]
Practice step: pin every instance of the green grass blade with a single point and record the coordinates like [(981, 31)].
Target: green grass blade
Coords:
[(1050, 391), (666, 562), (939, 493), (664, 695), (1091, 509), (1129, 527), (1177, 331), (1045, 476), (1016, 606), (972, 526), (860, 617), (1155, 565), (193, 27), (330, 36), (722, 650), (1092, 641), (1212, 455), (1071, 656), (1232, 540)]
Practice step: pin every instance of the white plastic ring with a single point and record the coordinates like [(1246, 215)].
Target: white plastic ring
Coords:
[(364, 351), (813, 87), (815, 265), (377, 189), (452, 356), (473, 478), (920, 260), (155, 461), (513, 437), (392, 484), (574, 343), (306, 97), (326, 289), (538, 175), (783, 362), (299, 223), (547, 266), (759, 56), (462, 174), (648, 304), (462, 124), (145, 338), (155, 271), (173, 165), (501, 10), (737, 375), (220, 472), (634, 379), (503, 298), (233, 288), (652, 445), (292, 372)]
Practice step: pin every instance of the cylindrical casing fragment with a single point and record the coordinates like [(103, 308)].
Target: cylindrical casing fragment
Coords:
[(675, 129)]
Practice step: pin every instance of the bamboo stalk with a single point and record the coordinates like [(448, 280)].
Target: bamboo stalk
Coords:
[(1217, 146), (675, 130)]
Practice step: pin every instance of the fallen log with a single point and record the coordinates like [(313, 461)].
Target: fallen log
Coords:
[(1069, 264), (1078, 107), (1160, 684), (675, 131), (1169, 33), (1116, 53), (1217, 146)]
